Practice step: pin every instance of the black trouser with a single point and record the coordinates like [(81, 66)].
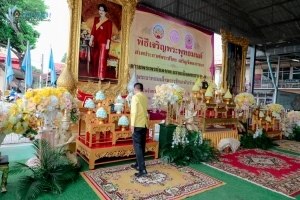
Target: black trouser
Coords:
[(139, 145)]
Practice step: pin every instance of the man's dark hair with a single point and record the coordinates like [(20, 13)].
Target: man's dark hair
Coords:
[(139, 87), (103, 6)]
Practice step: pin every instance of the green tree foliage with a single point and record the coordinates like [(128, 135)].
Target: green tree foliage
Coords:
[(34, 69), (22, 29), (63, 59)]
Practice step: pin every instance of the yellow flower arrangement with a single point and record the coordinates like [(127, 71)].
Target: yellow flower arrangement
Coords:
[(245, 101), (17, 120), (49, 99), (21, 117), (276, 109)]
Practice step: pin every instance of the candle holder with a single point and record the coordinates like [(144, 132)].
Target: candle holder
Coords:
[(124, 128), (207, 99), (99, 103), (195, 94), (227, 100), (101, 120), (89, 111)]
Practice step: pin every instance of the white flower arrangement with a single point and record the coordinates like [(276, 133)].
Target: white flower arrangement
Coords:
[(128, 98), (258, 133), (123, 121), (101, 113), (167, 93), (199, 139), (89, 103), (100, 96), (292, 120), (180, 136)]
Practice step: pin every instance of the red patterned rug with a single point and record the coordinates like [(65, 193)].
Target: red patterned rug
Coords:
[(274, 170), (163, 181)]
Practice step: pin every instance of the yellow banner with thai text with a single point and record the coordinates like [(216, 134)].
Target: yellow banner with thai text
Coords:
[(179, 51)]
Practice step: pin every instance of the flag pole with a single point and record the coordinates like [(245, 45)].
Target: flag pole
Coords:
[(5, 78), (42, 75), (26, 67), (48, 71)]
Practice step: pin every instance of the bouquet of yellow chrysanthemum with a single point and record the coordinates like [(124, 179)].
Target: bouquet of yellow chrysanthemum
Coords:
[(276, 109), (48, 101), (245, 101), (15, 119)]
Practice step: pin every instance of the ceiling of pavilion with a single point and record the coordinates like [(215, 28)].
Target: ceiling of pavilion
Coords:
[(272, 25)]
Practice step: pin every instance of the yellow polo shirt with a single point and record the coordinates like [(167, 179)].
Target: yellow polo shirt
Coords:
[(139, 105)]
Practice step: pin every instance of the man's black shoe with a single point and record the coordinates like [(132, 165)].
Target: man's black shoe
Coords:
[(136, 167), (141, 173)]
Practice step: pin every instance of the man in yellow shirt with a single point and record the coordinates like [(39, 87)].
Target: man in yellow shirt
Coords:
[(139, 124)]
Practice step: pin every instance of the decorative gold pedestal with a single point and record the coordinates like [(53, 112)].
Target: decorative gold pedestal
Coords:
[(90, 155)]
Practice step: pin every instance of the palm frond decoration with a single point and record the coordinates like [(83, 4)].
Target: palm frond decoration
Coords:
[(52, 175)]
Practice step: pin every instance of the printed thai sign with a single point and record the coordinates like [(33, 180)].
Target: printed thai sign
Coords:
[(168, 50)]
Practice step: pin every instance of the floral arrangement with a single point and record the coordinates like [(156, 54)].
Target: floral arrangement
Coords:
[(100, 96), (89, 103), (187, 147), (15, 119), (167, 93), (101, 113), (46, 100), (277, 110), (4, 112), (290, 123), (128, 98), (38, 108), (245, 101), (294, 117), (123, 121)]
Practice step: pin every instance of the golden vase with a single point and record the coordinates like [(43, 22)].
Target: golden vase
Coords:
[(227, 100), (101, 120), (89, 111), (169, 117), (195, 94), (207, 99), (123, 128), (65, 79)]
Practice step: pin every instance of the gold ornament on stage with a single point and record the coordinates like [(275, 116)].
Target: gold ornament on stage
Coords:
[(227, 96), (65, 80), (101, 120)]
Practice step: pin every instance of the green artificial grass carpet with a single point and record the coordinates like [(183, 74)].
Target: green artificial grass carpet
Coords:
[(235, 188)]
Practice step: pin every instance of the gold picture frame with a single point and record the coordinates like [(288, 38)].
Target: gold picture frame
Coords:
[(69, 76), (227, 38)]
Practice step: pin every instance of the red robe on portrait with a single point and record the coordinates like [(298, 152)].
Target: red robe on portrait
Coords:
[(101, 34)]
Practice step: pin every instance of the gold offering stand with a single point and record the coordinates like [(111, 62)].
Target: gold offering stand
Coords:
[(100, 143), (263, 118), (216, 116)]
